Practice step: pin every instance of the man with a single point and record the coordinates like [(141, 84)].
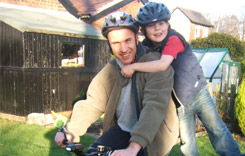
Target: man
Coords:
[(140, 117)]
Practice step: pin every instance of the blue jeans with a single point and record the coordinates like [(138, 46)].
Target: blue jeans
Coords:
[(219, 135)]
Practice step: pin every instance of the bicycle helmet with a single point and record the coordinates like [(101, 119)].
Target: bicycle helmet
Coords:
[(119, 20), (152, 12)]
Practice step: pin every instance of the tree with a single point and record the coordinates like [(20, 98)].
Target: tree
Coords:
[(221, 40), (229, 25), (242, 19)]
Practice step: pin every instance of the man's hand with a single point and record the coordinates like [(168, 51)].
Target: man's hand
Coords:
[(131, 150), (59, 138), (127, 70)]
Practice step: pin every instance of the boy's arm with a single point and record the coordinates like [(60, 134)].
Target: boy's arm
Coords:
[(152, 66)]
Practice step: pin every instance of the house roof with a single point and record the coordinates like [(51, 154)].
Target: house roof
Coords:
[(26, 19), (195, 17), (84, 7), (93, 9)]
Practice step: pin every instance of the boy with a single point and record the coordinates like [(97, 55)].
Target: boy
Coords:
[(190, 87)]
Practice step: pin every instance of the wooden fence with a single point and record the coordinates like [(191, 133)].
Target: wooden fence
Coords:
[(25, 91)]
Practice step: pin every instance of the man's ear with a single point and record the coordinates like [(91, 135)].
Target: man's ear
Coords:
[(142, 31), (137, 38)]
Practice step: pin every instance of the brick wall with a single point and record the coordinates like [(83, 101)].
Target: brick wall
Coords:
[(44, 4), (192, 32)]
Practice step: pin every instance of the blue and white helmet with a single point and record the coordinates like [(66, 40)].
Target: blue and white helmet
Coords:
[(152, 12)]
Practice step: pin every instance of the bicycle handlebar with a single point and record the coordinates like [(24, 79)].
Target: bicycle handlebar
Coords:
[(78, 148)]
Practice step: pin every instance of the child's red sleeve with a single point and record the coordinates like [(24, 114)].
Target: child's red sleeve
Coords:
[(173, 47)]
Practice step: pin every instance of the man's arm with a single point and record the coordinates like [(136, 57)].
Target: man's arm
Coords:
[(86, 112)]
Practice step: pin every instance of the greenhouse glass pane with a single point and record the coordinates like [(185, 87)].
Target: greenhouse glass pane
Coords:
[(198, 53), (210, 62)]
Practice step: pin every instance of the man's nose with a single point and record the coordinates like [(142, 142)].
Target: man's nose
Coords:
[(123, 47)]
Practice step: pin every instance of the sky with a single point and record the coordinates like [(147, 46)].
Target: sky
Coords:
[(212, 8)]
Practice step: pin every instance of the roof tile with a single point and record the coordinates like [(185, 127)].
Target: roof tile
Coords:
[(85, 7)]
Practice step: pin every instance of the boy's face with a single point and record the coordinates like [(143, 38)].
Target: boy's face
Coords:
[(123, 44), (157, 31)]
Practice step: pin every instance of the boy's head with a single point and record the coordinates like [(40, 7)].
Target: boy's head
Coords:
[(152, 12), (121, 30), (153, 18)]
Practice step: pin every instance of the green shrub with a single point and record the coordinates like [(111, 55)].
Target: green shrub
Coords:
[(240, 106), (243, 66), (221, 40)]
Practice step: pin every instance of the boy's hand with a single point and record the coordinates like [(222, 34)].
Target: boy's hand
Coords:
[(127, 70)]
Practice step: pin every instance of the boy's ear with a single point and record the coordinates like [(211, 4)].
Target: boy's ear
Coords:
[(169, 26)]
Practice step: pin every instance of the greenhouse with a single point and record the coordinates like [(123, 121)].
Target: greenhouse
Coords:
[(218, 67)]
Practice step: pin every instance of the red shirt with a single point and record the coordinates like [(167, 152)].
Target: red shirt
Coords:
[(173, 47)]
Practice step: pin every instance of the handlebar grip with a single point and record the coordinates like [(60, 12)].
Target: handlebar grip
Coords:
[(63, 130), (70, 147), (65, 142)]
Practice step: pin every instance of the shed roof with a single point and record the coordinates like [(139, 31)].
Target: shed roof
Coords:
[(195, 17), (26, 19)]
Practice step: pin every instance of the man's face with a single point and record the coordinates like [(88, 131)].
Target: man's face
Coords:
[(123, 44)]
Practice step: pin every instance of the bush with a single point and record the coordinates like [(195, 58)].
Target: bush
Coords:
[(221, 40), (243, 66), (240, 107)]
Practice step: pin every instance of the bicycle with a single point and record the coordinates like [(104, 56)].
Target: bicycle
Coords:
[(78, 149)]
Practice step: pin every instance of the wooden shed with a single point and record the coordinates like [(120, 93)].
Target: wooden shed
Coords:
[(46, 59)]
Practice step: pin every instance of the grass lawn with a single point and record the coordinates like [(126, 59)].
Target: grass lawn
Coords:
[(20, 139)]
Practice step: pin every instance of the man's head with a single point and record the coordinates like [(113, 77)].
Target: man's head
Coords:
[(121, 31)]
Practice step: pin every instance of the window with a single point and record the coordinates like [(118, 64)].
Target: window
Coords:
[(205, 32), (197, 31), (72, 55)]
